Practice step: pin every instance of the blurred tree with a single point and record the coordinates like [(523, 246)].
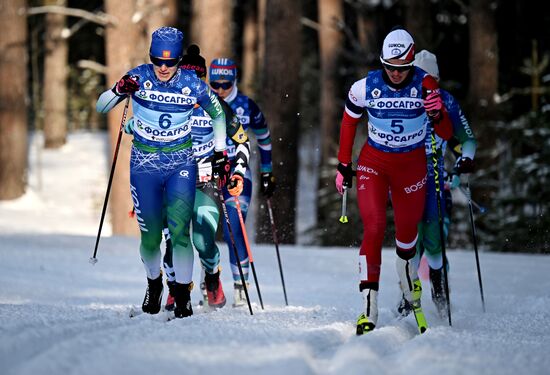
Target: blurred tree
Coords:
[(281, 99), (331, 38), (55, 78), (212, 28), (122, 54), (13, 98), (250, 49), (483, 85), (419, 22)]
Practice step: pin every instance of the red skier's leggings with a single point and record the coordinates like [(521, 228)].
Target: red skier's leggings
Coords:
[(403, 175)]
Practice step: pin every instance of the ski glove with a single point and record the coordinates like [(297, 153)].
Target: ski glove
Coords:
[(126, 85), (129, 126), (268, 185), (235, 185), (464, 165), (221, 167), (344, 177), (433, 104)]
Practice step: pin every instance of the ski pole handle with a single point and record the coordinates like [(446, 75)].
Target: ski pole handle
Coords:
[(344, 217)]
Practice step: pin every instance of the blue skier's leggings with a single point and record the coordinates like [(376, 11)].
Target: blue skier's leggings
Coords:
[(158, 178), (429, 239), (244, 201)]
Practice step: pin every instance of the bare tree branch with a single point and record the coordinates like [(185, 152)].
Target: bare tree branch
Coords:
[(100, 18)]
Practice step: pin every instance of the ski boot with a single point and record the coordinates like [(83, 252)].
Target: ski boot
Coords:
[(170, 303), (214, 290), (437, 280), (239, 294), (412, 290), (182, 297), (367, 320), (153, 296), (404, 308)]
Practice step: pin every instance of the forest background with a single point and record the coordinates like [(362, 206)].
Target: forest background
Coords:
[(297, 60)]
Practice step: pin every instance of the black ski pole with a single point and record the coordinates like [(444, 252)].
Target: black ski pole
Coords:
[(276, 242), (93, 259), (234, 246), (248, 250), (480, 208), (440, 217), (474, 239)]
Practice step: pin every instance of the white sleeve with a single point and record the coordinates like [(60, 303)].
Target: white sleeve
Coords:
[(356, 101)]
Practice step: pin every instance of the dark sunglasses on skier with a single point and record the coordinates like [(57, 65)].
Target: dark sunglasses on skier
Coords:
[(393, 68), (221, 85), (160, 62)]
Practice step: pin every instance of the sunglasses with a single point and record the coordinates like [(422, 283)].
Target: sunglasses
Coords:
[(160, 62), (221, 85), (399, 69)]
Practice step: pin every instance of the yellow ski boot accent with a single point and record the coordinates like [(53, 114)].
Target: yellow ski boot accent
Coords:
[(417, 308), (363, 325)]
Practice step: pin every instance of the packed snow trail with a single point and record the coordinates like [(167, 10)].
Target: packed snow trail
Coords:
[(59, 314)]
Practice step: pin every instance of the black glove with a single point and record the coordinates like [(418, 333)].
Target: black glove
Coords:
[(268, 185), (221, 167), (126, 85), (464, 165), (346, 172)]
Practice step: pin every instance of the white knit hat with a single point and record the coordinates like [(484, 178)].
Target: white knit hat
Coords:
[(398, 44), (427, 61)]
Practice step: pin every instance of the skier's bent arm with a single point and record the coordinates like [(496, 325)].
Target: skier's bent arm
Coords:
[(107, 101), (213, 107)]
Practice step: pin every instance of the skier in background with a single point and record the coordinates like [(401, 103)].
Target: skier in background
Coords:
[(206, 213), (223, 80), (429, 239), (400, 118), (162, 167)]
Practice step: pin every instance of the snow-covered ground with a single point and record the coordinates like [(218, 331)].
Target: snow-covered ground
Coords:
[(61, 315)]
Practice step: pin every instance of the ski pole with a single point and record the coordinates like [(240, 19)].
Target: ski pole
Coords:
[(276, 241), (440, 219), (474, 239), (344, 217), (251, 260), (480, 208), (234, 246), (93, 259)]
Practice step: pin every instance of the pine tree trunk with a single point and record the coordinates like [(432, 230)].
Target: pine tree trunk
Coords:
[(330, 44), (280, 102), (419, 23), (483, 59), (55, 79), (122, 55), (211, 28), (250, 49), (13, 99)]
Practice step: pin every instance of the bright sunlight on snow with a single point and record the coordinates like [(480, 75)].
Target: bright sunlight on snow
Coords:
[(61, 315)]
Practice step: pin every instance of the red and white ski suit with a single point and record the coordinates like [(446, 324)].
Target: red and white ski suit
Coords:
[(392, 160)]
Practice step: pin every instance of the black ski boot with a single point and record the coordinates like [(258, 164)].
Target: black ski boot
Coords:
[(182, 296), (404, 308), (170, 303), (437, 280), (153, 296)]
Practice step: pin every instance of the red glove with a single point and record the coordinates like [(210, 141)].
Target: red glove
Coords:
[(433, 104), (126, 85)]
